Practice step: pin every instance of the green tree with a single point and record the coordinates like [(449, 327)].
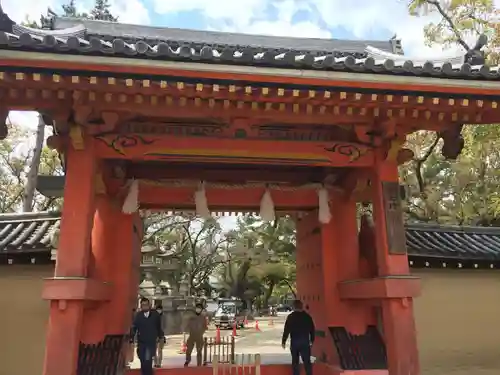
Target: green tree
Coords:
[(460, 21), (262, 259), (69, 10), (15, 154), (101, 11), (463, 191), (196, 246)]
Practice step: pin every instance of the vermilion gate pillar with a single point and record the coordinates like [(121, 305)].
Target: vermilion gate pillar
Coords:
[(96, 275)]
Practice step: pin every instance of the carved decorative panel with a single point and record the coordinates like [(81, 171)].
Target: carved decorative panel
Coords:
[(395, 229), (317, 133), (175, 129)]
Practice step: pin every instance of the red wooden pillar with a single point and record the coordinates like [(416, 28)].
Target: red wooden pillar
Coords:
[(310, 276), (70, 287), (115, 245), (341, 261), (392, 262), (326, 255)]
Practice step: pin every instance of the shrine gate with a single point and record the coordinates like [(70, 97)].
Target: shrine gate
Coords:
[(180, 120)]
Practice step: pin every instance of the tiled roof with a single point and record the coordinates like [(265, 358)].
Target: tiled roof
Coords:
[(453, 242), (120, 40), (220, 40), (27, 232)]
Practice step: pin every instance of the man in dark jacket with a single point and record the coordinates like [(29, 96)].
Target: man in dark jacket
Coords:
[(300, 327), (147, 329)]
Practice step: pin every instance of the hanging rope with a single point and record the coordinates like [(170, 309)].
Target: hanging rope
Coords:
[(131, 203)]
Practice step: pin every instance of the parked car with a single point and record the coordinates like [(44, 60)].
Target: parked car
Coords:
[(283, 310), (230, 313)]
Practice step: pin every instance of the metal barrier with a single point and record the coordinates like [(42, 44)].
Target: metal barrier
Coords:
[(243, 364), (223, 350)]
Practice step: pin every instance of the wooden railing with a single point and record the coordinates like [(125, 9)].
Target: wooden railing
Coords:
[(243, 364), (224, 350)]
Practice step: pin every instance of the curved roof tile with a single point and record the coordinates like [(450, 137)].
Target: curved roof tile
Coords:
[(453, 242), (27, 232)]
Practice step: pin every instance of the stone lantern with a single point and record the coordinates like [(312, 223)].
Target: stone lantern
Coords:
[(156, 267)]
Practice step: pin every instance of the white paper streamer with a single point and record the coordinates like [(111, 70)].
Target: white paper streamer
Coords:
[(267, 207)]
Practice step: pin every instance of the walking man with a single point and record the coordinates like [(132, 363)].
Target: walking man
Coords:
[(161, 342), (196, 327), (300, 327), (147, 329)]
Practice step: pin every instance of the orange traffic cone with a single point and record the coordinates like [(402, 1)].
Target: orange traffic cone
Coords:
[(271, 322), (217, 336), (234, 330), (257, 326), (246, 321)]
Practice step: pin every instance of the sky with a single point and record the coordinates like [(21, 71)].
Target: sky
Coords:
[(340, 19)]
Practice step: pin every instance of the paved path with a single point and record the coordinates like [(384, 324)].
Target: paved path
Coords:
[(266, 342)]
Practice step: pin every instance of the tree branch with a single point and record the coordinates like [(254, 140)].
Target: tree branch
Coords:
[(420, 162), (451, 25)]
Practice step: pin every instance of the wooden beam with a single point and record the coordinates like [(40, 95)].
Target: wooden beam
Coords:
[(15, 96), (228, 199), (203, 150), (231, 173)]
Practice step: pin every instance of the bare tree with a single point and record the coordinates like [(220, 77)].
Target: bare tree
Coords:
[(29, 190)]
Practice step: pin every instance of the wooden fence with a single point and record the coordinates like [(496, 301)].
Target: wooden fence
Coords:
[(247, 364), (223, 350)]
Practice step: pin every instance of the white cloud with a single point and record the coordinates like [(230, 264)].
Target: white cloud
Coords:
[(19, 9), (283, 25), (131, 11), (238, 12), (362, 17)]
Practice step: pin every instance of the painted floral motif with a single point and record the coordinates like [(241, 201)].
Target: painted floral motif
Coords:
[(352, 151), (120, 143)]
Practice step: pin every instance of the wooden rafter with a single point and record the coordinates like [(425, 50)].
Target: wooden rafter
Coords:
[(128, 95)]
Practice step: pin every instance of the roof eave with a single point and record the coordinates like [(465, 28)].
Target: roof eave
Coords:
[(249, 73)]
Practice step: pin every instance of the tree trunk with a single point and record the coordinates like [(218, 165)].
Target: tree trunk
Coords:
[(29, 191), (268, 294)]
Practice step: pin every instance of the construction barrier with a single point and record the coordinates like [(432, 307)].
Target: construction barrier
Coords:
[(222, 349), (243, 364)]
